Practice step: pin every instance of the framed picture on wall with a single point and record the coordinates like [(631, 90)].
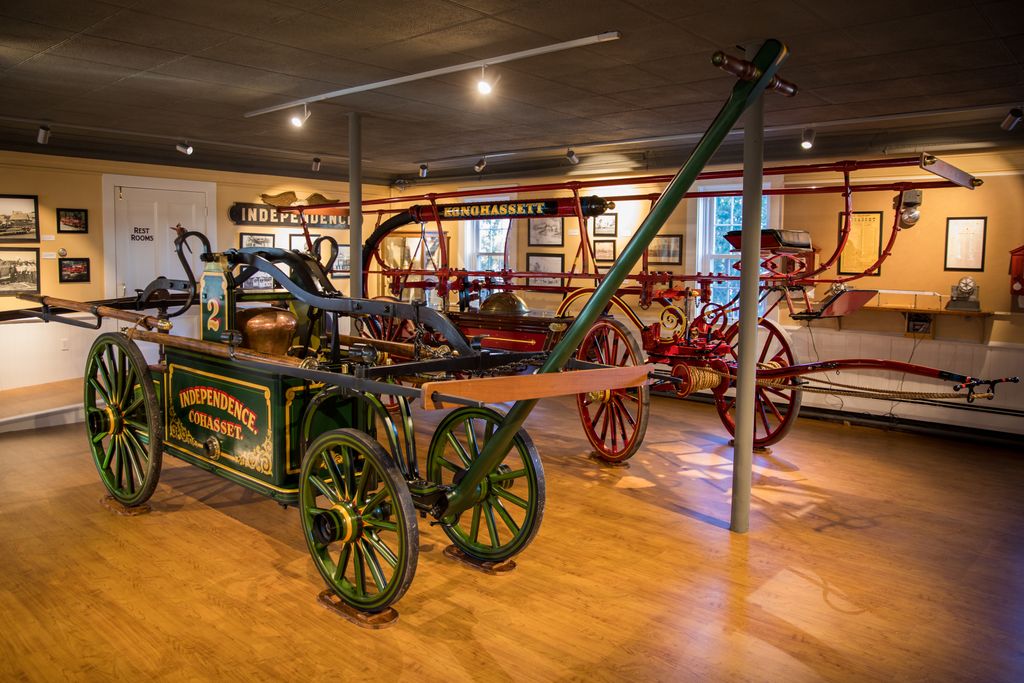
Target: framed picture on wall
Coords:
[(73, 270), (545, 263), (546, 231), (604, 251), (19, 218), (73, 220), (19, 271), (606, 225), (297, 241), (261, 240), (965, 243), (666, 250), (343, 264), (864, 245)]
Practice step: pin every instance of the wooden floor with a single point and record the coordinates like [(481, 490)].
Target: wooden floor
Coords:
[(871, 556), (27, 400)]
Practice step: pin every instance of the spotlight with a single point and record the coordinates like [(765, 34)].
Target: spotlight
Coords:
[(480, 165), (299, 119), (807, 138), (571, 156), (910, 214), (424, 170), (184, 148), (1013, 117), (43, 135), (316, 164), (484, 86)]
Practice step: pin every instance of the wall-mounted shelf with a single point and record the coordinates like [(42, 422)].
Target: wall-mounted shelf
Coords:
[(919, 323)]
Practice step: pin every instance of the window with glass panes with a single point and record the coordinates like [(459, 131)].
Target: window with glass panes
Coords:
[(719, 215), (490, 243), (485, 242)]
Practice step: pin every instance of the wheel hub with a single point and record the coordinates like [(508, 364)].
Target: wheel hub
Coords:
[(340, 523), (599, 396)]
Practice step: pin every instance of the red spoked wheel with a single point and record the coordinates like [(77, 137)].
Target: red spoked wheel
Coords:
[(614, 420), (775, 407), (386, 328)]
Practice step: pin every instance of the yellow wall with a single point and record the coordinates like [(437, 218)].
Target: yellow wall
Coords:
[(68, 182)]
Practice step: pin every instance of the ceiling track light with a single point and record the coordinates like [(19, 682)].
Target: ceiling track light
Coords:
[(1013, 117), (424, 170), (480, 165), (184, 148), (570, 154), (316, 164), (485, 86), (43, 135), (807, 138), (299, 120)]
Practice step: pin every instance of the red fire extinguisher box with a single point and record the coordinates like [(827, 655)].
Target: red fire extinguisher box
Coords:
[(1017, 280)]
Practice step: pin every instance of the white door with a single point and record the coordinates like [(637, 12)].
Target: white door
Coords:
[(143, 227), (144, 244)]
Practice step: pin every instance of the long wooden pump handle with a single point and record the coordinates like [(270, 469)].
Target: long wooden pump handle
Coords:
[(148, 321), (745, 71)]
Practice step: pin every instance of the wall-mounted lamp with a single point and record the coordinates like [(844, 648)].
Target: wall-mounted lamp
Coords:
[(184, 148), (43, 135), (424, 171), (571, 156), (480, 165), (1013, 117), (298, 120), (485, 86), (316, 164), (807, 138), (910, 213)]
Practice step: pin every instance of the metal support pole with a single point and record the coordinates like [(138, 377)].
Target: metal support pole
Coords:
[(355, 199), (750, 266)]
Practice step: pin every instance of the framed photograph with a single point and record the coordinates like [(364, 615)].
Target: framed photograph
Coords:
[(19, 271), (73, 220), (965, 243), (72, 270), (545, 263), (297, 241), (343, 264), (546, 231), (19, 218), (604, 250), (666, 250), (864, 245), (262, 240), (606, 225)]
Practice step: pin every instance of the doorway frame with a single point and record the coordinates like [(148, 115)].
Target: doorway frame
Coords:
[(110, 181)]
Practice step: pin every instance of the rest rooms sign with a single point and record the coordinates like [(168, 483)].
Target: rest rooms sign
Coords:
[(243, 213)]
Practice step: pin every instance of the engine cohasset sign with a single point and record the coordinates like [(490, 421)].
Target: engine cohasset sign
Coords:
[(215, 398)]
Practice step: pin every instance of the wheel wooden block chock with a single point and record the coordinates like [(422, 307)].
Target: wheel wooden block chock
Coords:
[(119, 508), (371, 620), (493, 568)]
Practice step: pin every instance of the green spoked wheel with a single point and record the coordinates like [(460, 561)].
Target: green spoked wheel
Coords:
[(122, 419), (358, 519), (509, 502)]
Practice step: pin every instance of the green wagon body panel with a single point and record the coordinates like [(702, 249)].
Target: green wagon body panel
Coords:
[(244, 426)]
